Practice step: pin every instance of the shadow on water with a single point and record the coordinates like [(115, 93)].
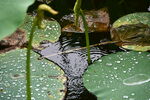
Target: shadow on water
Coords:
[(75, 63)]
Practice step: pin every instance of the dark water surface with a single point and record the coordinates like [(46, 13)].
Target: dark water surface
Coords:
[(75, 63)]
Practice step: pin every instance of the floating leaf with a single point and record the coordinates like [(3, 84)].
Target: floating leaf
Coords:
[(51, 32), (9, 21), (97, 20), (17, 38), (47, 79), (133, 31), (134, 18), (121, 76), (137, 47)]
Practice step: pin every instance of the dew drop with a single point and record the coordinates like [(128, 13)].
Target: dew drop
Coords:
[(125, 97), (118, 61), (32, 98), (21, 55), (38, 85), (9, 95), (33, 70), (37, 89), (7, 84), (115, 68), (148, 55), (8, 98), (46, 35), (4, 66), (132, 93), (121, 58), (113, 89), (42, 91), (100, 60), (4, 92), (18, 96), (109, 64), (41, 78), (38, 94), (44, 88), (1, 72), (55, 37), (23, 95), (124, 71), (137, 79)]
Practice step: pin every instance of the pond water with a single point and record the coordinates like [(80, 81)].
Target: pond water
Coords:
[(75, 62)]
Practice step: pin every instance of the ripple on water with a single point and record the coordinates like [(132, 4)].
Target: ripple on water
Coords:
[(74, 63)]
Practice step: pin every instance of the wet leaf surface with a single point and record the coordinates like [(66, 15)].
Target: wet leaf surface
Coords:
[(97, 20), (133, 31), (47, 79), (51, 32), (120, 76), (133, 18)]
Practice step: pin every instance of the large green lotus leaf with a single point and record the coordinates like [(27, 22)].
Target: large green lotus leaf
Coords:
[(47, 79), (121, 76), (12, 14), (134, 18), (51, 32)]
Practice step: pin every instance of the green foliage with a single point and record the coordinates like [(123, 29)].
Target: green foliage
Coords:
[(134, 18), (51, 32), (135, 29), (47, 79), (12, 14), (121, 76), (76, 9)]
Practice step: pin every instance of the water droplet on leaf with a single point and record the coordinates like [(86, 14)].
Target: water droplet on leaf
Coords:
[(137, 79)]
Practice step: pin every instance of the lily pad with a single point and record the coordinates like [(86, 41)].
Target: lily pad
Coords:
[(9, 21), (47, 79), (137, 47), (51, 32), (133, 31), (134, 18), (97, 20), (120, 76)]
